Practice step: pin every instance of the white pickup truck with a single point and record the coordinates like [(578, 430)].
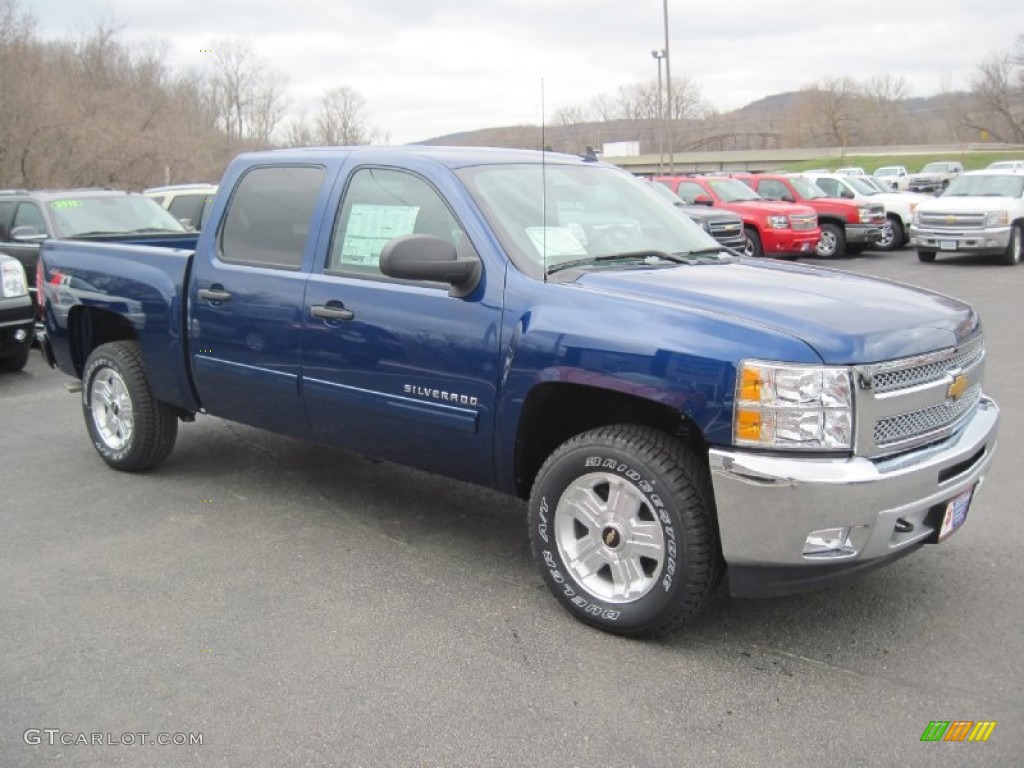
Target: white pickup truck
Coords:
[(899, 206), (982, 212)]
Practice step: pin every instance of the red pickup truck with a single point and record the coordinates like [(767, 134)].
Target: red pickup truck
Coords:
[(782, 230), (847, 226)]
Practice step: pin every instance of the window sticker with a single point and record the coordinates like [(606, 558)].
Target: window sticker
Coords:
[(557, 241), (58, 205), (369, 227)]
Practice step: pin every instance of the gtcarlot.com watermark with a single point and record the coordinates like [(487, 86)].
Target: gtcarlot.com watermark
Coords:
[(56, 736)]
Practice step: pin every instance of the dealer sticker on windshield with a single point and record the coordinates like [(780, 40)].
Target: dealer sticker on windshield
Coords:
[(956, 514)]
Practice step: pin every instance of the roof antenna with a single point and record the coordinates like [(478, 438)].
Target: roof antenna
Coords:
[(543, 190)]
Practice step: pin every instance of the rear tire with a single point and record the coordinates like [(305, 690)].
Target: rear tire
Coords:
[(130, 429), (832, 243), (622, 528), (926, 256), (1011, 256)]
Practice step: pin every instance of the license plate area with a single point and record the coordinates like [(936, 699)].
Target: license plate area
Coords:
[(947, 245), (954, 514)]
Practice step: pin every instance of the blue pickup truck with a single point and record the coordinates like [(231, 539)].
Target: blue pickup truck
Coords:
[(548, 326)]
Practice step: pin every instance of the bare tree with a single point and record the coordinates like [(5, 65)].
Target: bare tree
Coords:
[(340, 120), (830, 111), (998, 96), (885, 95), (247, 94)]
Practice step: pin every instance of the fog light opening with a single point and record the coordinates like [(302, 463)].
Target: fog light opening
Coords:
[(829, 542), (20, 335)]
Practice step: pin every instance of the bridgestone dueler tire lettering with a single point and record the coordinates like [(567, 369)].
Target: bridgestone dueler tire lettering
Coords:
[(155, 425), (676, 487)]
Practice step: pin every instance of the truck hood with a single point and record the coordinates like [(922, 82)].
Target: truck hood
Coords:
[(769, 207), (845, 318), (957, 204)]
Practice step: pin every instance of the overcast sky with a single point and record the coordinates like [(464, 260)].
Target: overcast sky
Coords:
[(432, 68)]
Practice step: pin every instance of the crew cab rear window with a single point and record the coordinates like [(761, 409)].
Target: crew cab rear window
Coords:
[(269, 216)]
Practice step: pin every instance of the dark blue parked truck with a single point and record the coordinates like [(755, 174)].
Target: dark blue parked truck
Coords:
[(547, 326)]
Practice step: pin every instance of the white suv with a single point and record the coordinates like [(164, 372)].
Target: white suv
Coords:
[(982, 212), (188, 203)]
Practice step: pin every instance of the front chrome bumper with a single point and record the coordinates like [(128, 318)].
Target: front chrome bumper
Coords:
[(768, 504), (982, 241), (863, 233)]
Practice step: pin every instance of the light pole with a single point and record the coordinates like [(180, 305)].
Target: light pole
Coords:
[(659, 55), (668, 92)]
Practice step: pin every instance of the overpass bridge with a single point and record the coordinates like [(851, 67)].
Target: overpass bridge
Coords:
[(762, 160)]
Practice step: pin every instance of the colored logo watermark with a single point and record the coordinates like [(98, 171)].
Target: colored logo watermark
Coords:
[(958, 730)]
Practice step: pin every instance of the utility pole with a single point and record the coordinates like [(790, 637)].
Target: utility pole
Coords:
[(659, 55), (668, 92)]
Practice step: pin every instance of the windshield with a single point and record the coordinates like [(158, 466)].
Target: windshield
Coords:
[(110, 214), (548, 215), (888, 171), (985, 185), (863, 186), (807, 188), (732, 191)]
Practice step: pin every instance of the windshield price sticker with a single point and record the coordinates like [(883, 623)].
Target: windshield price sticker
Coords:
[(555, 241), (58, 205)]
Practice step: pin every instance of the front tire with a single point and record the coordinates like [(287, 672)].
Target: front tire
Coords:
[(832, 243), (892, 235), (752, 247), (622, 527), (1011, 256), (14, 363), (129, 427)]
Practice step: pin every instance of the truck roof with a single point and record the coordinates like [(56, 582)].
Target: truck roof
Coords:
[(452, 157)]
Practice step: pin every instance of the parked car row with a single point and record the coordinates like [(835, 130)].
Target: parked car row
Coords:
[(834, 214)]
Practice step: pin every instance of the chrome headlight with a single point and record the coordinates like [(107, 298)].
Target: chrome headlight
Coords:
[(793, 407), (14, 282), (864, 214), (915, 218), (778, 222), (997, 219)]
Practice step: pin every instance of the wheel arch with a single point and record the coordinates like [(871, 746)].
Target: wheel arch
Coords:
[(90, 327), (556, 411)]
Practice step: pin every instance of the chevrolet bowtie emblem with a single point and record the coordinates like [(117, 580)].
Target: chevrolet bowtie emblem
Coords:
[(958, 387), (951, 219)]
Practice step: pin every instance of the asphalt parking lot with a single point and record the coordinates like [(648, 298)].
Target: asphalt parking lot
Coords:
[(291, 605)]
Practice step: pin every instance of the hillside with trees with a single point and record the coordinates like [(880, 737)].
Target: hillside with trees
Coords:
[(96, 111)]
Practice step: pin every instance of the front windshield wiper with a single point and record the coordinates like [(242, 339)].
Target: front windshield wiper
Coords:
[(680, 257)]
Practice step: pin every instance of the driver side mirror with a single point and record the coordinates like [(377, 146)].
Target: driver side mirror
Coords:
[(27, 234), (703, 200)]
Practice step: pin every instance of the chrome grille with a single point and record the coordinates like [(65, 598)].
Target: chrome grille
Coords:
[(953, 220), (725, 227), (925, 421), (903, 404), (803, 222), (934, 370)]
